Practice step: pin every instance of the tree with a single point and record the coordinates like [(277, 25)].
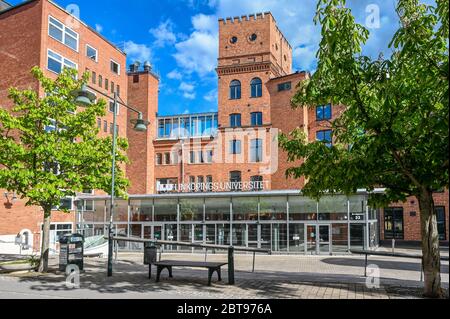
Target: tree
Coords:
[(394, 128), (49, 149)]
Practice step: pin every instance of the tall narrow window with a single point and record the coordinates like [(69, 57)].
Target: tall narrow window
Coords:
[(159, 159), (209, 182), (256, 87), (235, 120), (192, 157), (256, 119), (393, 223), (106, 84), (235, 90), (325, 137), (256, 151), (236, 180), (100, 81), (440, 216), (91, 53), (115, 67), (235, 147), (323, 112), (167, 158), (256, 183), (94, 78)]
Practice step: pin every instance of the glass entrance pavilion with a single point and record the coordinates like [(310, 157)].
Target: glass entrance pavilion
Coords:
[(282, 221)]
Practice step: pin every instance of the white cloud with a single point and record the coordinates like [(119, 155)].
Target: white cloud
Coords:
[(138, 52), (164, 34), (199, 52), (98, 28), (188, 90), (211, 96), (174, 75)]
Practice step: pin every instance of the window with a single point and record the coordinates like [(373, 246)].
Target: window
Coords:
[(325, 137), (235, 120), (105, 126), (209, 156), (235, 90), (159, 159), (91, 53), (192, 157), (115, 67), (256, 183), (63, 34), (100, 81), (284, 86), (323, 112), (201, 158), (235, 179), (235, 147), (256, 151), (175, 158), (111, 127), (393, 223), (106, 84), (111, 107), (167, 158), (440, 216), (209, 181), (94, 78), (136, 78), (257, 119), (118, 89), (112, 87), (200, 182), (233, 40), (256, 87), (56, 62), (253, 37), (99, 123)]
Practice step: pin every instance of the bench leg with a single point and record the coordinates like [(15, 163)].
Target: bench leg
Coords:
[(210, 273), (219, 273), (158, 273), (170, 271)]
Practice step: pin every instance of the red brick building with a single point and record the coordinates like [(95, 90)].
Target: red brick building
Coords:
[(231, 151)]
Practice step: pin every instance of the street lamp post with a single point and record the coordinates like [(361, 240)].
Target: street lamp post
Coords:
[(85, 98)]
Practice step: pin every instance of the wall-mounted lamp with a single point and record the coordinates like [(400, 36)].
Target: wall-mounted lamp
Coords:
[(10, 197)]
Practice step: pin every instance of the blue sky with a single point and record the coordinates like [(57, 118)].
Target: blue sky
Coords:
[(179, 38)]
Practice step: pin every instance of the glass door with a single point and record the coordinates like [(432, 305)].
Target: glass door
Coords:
[(252, 233), (311, 234), (324, 239)]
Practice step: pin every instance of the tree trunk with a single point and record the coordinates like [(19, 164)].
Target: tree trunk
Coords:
[(430, 246), (45, 247)]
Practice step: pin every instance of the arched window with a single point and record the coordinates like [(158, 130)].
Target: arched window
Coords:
[(256, 87), (235, 90)]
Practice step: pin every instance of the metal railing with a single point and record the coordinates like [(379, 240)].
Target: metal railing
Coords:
[(230, 249)]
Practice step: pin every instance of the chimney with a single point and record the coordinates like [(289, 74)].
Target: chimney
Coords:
[(147, 66), (135, 67)]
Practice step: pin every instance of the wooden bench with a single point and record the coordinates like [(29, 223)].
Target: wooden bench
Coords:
[(168, 264)]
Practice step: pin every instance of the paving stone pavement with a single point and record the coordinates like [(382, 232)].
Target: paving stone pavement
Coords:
[(276, 277)]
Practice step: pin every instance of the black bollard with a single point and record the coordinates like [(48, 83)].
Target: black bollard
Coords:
[(231, 265)]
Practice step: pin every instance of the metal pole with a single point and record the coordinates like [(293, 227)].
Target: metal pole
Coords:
[(365, 267), (113, 178), (231, 265), (254, 255)]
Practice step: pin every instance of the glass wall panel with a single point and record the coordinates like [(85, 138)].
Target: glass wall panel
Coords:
[(239, 235), (339, 236), (333, 208), (121, 211), (273, 208), (165, 210), (141, 210), (297, 237), (357, 236), (122, 231), (191, 209), (99, 230), (223, 234), (218, 209), (135, 232), (302, 208), (252, 235), (265, 236), (373, 235), (357, 207), (245, 208), (96, 216), (186, 233), (170, 234), (211, 234), (279, 237)]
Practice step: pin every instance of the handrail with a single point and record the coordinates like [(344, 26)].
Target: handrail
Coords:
[(194, 245), (390, 254)]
